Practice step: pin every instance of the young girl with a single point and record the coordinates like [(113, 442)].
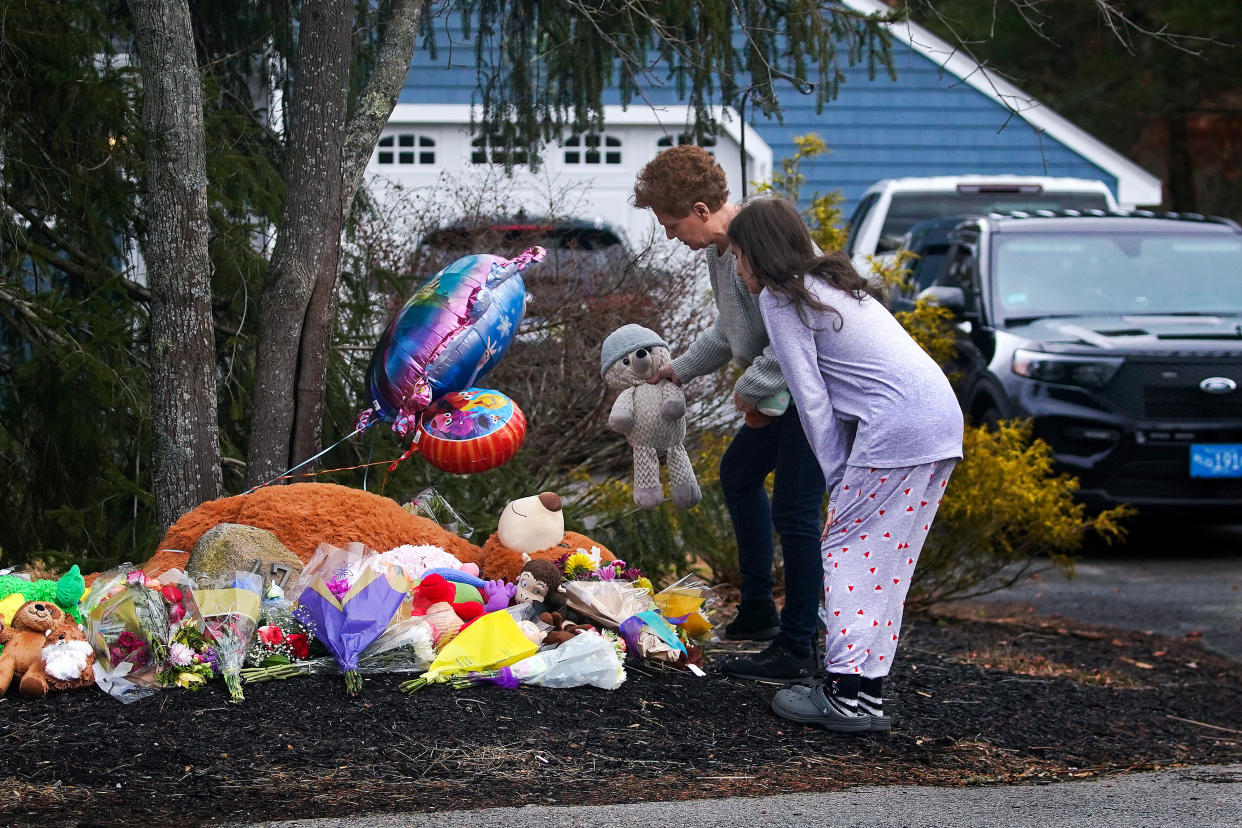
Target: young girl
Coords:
[(887, 430)]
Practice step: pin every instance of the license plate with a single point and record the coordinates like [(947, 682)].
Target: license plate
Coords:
[(1216, 460)]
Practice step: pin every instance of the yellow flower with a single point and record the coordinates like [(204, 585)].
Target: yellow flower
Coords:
[(578, 562), (645, 583), (190, 681)]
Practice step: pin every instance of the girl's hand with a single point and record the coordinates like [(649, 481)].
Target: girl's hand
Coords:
[(828, 524), (665, 372)]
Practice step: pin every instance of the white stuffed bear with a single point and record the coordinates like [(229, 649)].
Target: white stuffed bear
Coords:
[(652, 417)]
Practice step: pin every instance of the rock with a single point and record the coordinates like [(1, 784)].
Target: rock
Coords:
[(231, 546)]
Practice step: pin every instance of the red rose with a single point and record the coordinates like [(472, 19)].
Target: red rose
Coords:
[(271, 635), (171, 594), (299, 644)]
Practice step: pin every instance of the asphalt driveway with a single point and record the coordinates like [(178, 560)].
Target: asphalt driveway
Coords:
[(1179, 580)]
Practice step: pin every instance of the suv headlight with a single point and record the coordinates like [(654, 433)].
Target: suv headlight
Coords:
[(1086, 371)]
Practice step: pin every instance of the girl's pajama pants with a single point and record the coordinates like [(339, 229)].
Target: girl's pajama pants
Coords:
[(878, 520)]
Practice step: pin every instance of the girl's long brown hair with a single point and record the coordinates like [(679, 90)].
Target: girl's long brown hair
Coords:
[(772, 236)]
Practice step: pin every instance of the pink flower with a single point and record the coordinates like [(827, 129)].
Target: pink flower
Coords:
[(172, 594), (136, 576), (176, 613), (338, 586), (180, 655), (271, 635)]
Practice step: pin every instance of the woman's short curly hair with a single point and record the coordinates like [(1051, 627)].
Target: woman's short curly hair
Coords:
[(677, 178)]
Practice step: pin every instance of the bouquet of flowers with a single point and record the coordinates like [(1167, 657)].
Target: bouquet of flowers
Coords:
[(405, 647), (349, 596), (631, 611), (582, 565), (282, 645), (127, 625), (229, 605), (191, 660), (589, 658), (490, 642), (686, 604)]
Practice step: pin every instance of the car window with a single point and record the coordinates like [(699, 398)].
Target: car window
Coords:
[(856, 220), (961, 269), (1082, 273), (907, 209), (928, 266)]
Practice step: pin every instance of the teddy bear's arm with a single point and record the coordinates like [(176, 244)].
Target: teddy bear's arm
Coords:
[(672, 401), (622, 417)]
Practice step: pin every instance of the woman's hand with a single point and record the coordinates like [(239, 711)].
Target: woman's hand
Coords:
[(744, 405), (665, 372), (756, 420)]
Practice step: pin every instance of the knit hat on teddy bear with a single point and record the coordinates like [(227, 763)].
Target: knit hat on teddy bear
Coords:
[(627, 339)]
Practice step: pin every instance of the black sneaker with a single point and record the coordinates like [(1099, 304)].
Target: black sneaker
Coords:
[(776, 663), (755, 621)]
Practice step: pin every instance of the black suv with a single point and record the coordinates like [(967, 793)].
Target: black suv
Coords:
[(1118, 333)]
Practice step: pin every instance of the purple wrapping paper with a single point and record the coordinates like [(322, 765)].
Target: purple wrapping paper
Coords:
[(348, 629)]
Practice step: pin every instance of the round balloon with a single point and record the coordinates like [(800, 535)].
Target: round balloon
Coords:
[(451, 332), (470, 431)]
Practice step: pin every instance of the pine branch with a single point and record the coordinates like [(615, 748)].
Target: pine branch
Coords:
[(78, 264), (29, 314)]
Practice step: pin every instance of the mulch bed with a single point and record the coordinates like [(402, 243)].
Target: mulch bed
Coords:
[(976, 700)]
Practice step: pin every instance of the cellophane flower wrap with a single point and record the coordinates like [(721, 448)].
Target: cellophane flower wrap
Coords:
[(589, 658), (127, 625), (191, 658), (686, 604), (283, 646), (229, 605), (404, 647), (349, 596)]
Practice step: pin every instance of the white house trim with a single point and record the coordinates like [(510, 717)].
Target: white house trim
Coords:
[(673, 120), (1135, 186)]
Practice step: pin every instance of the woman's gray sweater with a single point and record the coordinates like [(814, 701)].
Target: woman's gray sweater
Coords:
[(737, 333)]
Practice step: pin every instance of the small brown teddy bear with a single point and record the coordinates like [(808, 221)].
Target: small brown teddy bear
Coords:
[(532, 528), (562, 628), (45, 649)]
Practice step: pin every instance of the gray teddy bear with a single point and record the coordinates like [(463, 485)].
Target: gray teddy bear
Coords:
[(652, 417)]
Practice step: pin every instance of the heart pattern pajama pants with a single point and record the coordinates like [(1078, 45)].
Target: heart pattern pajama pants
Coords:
[(878, 520)]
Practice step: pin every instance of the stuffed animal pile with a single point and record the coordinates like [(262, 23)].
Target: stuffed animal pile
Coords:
[(44, 649)]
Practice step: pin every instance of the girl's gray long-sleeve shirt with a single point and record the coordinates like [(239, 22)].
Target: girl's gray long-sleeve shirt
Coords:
[(737, 333), (867, 394)]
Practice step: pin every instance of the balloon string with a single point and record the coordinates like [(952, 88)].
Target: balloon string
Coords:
[(287, 472), (330, 471), (413, 448)]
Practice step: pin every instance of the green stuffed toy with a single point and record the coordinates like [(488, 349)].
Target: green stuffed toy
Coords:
[(64, 593)]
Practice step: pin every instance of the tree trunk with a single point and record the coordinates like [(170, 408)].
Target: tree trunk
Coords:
[(308, 244), (298, 314), (186, 448)]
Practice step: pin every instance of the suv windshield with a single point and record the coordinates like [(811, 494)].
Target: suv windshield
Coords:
[(1089, 273), (908, 209)]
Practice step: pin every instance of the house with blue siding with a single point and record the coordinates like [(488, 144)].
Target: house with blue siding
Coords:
[(942, 115)]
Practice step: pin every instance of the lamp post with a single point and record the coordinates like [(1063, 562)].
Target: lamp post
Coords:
[(803, 86)]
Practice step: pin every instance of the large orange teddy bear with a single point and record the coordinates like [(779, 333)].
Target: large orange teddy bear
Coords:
[(303, 515)]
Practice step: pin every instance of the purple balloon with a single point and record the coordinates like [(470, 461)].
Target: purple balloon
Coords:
[(450, 334)]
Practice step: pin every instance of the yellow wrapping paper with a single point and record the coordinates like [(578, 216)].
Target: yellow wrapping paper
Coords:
[(491, 642)]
